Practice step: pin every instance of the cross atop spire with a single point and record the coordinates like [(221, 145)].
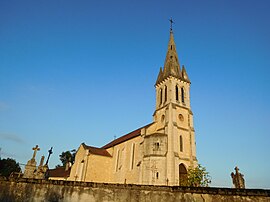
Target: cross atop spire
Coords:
[(171, 21)]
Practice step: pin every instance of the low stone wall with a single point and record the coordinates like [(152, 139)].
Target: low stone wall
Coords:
[(52, 190)]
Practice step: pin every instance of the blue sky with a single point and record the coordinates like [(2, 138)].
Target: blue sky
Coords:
[(84, 71)]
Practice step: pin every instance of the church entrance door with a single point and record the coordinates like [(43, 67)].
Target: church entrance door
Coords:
[(182, 175)]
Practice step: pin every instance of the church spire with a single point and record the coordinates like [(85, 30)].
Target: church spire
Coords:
[(171, 64)]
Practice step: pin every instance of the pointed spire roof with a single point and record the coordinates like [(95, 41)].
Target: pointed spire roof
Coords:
[(184, 74), (160, 76), (172, 64)]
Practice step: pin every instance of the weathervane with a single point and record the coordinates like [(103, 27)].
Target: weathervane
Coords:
[(171, 21)]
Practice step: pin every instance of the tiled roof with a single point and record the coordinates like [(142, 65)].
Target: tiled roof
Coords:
[(96, 151), (124, 138), (59, 172)]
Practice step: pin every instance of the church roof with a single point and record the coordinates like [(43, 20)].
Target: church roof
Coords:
[(96, 151), (59, 172), (171, 64), (126, 137)]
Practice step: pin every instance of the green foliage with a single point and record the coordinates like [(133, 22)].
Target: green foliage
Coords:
[(198, 177), (67, 156), (7, 166)]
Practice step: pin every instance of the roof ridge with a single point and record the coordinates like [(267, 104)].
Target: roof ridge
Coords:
[(96, 150), (88, 146), (125, 137)]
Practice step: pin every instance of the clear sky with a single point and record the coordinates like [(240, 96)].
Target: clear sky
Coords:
[(84, 71)]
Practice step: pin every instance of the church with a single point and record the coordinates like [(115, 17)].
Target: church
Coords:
[(159, 153)]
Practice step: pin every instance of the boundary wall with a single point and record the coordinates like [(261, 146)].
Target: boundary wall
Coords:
[(68, 191)]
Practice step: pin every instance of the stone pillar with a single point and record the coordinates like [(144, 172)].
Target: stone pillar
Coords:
[(40, 174), (170, 155), (30, 167)]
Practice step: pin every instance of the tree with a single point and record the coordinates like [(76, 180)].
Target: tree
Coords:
[(7, 166), (67, 156), (198, 177)]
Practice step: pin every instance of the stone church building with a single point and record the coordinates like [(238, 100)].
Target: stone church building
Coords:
[(159, 153)]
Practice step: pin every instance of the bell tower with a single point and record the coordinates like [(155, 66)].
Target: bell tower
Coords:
[(173, 116)]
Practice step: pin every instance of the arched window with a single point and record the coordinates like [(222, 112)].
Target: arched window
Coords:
[(182, 95), (117, 161), (132, 156), (176, 93), (156, 146), (162, 118), (160, 96), (181, 143), (165, 94)]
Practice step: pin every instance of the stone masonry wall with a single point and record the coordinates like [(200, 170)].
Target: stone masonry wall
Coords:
[(41, 190)]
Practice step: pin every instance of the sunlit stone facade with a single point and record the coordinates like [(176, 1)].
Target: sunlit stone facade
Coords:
[(157, 154)]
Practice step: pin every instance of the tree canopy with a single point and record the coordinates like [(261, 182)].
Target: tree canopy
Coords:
[(7, 166), (67, 156), (198, 177)]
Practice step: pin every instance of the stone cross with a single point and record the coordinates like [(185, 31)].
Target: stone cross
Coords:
[(50, 152), (35, 151), (238, 179)]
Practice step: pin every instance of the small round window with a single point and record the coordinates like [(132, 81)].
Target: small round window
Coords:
[(181, 117)]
